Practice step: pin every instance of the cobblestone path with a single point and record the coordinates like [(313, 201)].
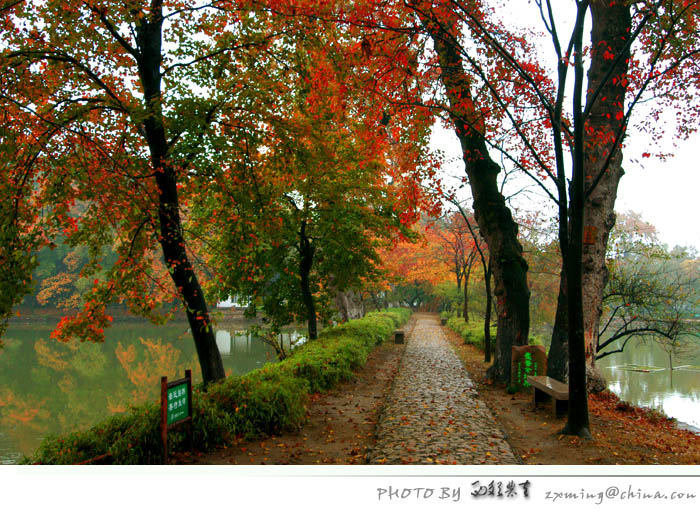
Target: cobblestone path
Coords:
[(433, 414)]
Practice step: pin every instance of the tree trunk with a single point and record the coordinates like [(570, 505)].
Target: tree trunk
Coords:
[(378, 304), (509, 271), (558, 356), (467, 274), (466, 296), (577, 422), (487, 314), (611, 26), (490, 211), (186, 281), (149, 37), (350, 305), (306, 253)]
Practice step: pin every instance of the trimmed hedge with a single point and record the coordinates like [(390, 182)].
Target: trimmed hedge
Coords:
[(473, 332), (266, 401)]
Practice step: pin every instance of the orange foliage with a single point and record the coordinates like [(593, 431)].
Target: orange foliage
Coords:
[(48, 357), (60, 288), (115, 407), (66, 384), (144, 372), (19, 411), (419, 261)]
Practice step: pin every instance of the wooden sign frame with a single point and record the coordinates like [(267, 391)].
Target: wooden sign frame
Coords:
[(164, 426)]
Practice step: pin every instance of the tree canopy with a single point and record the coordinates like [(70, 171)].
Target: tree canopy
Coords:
[(139, 110)]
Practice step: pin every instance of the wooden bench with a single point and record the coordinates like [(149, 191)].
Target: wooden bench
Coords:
[(546, 387), (398, 337)]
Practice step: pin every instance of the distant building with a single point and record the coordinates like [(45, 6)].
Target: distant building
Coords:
[(233, 302)]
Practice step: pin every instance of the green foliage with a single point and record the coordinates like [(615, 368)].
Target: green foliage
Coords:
[(412, 294), (302, 218), (133, 438), (451, 297), (371, 328), (446, 314), (341, 349), (399, 315), (324, 363), (266, 401), (473, 331)]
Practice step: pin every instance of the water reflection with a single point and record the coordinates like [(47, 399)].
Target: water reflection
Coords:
[(223, 341), (51, 387), (675, 392), (241, 343)]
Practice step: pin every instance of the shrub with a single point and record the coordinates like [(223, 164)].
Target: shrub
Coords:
[(472, 332), (132, 438), (265, 401)]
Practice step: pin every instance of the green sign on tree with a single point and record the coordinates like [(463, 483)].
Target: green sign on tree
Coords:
[(526, 360)]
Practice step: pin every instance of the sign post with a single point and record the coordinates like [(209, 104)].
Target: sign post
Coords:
[(175, 406)]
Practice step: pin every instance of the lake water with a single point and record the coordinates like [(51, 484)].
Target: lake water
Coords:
[(52, 387), (640, 375)]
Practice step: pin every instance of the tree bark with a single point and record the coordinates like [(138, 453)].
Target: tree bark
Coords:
[(490, 211), (558, 357), (467, 273), (465, 307), (487, 313), (350, 305), (611, 26), (306, 254), (577, 422), (149, 38), (611, 23)]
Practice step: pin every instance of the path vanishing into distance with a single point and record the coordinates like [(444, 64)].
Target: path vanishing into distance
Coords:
[(433, 414)]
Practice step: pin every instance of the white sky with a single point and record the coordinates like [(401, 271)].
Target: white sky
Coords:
[(666, 194)]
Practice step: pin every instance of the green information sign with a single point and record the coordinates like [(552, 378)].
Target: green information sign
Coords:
[(178, 406), (526, 360), (175, 407)]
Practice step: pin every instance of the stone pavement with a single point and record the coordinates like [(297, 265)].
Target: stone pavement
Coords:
[(433, 414)]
